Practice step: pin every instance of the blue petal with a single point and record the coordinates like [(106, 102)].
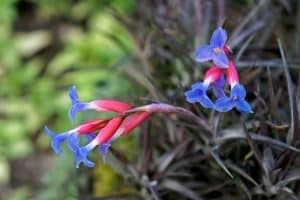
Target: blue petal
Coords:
[(80, 153), (218, 86), (191, 96), (244, 106), (104, 149), (194, 96), (204, 53), (239, 91), (73, 142), (199, 86), (206, 102), (90, 137), (221, 59), (77, 106), (81, 156), (218, 38), (198, 90), (224, 104), (73, 94), (56, 139)]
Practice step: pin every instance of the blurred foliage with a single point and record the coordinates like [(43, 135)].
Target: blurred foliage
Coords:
[(40, 57)]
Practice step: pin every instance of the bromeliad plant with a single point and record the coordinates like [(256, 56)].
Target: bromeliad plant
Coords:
[(100, 133)]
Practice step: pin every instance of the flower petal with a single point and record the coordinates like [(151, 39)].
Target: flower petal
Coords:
[(104, 149), (218, 38), (77, 106), (73, 94), (218, 86), (82, 154), (56, 139), (244, 106), (73, 142), (191, 96), (206, 102), (224, 104), (199, 86), (239, 91), (198, 90), (90, 137), (221, 59), (204, 53)]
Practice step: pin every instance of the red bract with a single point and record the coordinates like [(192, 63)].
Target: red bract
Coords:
[(110, 105), (232, 74), (213, 74), (92, 126)]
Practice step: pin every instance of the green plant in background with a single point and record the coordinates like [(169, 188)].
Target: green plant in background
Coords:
[(37, 62)]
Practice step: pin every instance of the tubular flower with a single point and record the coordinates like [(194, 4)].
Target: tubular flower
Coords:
[(105, 105), (99, 132), (198, 91), (86, 128), (237, 94), (116, 128), (214, 78), (216, 51), (102, 138)]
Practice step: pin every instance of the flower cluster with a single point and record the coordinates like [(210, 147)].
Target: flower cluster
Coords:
[(218, 52), (99, 132)]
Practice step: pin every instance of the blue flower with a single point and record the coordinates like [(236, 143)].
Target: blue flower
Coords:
[(103, 148), (236, 99), (77, 106), (198, 94), (215, 50), (80, 153), (56, 139)]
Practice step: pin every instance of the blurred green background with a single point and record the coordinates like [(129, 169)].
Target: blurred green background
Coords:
[(45, 47)]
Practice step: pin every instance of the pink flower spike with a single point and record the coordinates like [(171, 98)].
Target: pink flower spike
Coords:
[(110, 105), (213, 74), (132, 121), (91, 126), (232, 74), (108, 131)]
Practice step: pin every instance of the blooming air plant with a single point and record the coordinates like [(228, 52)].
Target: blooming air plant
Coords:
[(101, 132), (219, 53)]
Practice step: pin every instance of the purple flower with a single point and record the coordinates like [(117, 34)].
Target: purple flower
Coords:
[(198, 94), (215, 50), (236, 99)]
